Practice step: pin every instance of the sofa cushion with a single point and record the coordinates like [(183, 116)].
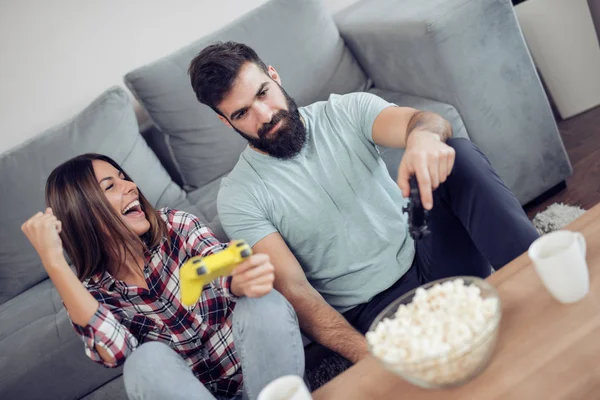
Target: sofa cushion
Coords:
[(299, 38), (392, 157), (205, 200), (106, 126), (113, 390), (41, 357)]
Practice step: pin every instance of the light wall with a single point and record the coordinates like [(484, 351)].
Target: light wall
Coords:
[(564, 46), (57, 56)]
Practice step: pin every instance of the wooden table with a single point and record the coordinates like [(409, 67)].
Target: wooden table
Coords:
[(545, 350)]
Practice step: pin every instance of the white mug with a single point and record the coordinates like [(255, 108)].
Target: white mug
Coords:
[(559, 259), (289, 387)]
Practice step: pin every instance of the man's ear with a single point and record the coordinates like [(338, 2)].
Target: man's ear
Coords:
[(224, 120), (273, 74)]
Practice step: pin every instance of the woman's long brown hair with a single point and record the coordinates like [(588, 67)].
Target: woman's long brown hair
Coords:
[(94, 236)]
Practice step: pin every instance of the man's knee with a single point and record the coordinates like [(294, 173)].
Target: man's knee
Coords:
[(465, 148), (469, 159)]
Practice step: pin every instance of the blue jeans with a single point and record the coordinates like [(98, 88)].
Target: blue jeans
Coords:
[(267, 340), (476, 222)]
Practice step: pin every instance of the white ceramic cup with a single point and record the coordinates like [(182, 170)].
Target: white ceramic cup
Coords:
[(289, 387), (559, 260)]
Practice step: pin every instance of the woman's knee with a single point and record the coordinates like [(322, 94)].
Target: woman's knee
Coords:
[(263, 311), (156, 371), (149, 353), (145, 358)]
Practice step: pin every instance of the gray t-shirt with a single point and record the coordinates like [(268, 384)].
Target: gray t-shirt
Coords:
[(334, 204)]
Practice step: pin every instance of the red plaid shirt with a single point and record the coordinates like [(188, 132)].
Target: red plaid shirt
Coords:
[(201, 334)]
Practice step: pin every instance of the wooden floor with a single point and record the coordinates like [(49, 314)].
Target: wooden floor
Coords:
[(581, 136)]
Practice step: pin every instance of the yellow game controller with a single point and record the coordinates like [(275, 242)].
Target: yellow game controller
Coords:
[(199, 271)]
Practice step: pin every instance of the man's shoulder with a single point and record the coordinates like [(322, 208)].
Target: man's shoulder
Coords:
[(242, 181), (338, 104), (322, 105), (242, 174), (336, 99)]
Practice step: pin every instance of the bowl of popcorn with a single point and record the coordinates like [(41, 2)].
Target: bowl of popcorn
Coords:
[(441, 334)]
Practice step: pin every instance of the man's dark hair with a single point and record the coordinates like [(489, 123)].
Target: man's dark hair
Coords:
[(214, 70)]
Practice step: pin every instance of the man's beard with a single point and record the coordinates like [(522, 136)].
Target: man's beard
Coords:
[(288, 140)]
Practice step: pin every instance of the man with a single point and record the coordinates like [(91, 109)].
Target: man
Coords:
[(312, 192)]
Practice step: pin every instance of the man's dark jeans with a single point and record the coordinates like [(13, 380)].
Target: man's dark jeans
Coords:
[(476, 222)]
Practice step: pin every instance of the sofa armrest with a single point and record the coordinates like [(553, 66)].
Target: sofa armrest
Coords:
[(470, 54)]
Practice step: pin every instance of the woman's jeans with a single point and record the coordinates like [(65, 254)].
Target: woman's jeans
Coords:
[(267, 340)]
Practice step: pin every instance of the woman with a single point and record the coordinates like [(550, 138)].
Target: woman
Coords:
[(125, 299)]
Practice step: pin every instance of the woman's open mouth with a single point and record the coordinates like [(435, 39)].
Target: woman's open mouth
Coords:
[(133, 210)]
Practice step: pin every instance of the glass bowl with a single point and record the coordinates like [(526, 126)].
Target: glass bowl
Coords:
[(456, 366)]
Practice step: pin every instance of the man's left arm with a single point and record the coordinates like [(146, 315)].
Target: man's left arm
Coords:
[(423, 135)]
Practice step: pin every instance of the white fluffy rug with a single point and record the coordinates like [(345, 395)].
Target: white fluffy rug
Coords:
[(556, 216)]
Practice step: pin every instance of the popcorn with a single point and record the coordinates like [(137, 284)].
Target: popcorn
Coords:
[(429, 339)]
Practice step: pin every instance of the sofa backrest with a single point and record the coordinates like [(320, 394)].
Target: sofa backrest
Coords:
[(299, 38), (107, 126)]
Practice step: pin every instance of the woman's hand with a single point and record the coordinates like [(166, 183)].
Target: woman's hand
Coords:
[(254, 277), (42, 231)]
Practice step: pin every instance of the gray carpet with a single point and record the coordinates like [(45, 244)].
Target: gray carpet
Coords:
[(556, 216), (322, 364)]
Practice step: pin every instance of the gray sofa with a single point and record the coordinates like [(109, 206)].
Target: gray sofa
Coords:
[(465, 59)]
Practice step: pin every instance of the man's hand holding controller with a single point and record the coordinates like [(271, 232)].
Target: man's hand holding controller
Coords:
[(429, 159), (426, 164)]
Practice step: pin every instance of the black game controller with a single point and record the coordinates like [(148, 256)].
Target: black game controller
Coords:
[(417, 215)]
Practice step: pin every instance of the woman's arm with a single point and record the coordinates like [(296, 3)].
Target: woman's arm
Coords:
[(107, 341), (80, 304)]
